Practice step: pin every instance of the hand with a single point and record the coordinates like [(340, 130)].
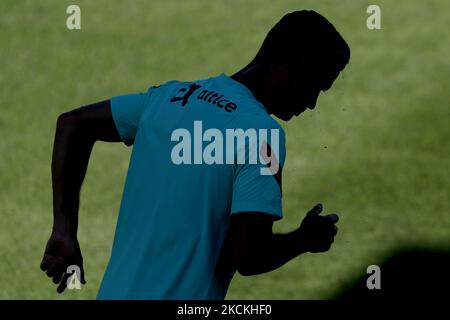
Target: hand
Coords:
[(60, 253), (316, 233)]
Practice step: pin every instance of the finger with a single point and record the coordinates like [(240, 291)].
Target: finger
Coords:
[(334, 217), (316, 210), (63, 284), (44, 264), (335, 230), (325, 248), (51, 270), (83, 280), (56, 266), (58, 275), (330, 242)]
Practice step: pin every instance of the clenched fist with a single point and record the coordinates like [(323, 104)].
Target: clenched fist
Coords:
[(60, 253), (316, 233)]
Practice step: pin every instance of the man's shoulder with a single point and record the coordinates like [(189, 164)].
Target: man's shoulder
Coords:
[(257, 117), (166, 84), (173, 86)]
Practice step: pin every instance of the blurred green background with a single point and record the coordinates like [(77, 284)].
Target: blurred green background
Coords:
[(375, 150)]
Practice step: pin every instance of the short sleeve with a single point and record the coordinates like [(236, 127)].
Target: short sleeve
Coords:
[(127, 111), (257, 187)]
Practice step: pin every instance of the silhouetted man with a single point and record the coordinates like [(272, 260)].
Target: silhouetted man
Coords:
[(190, 218)]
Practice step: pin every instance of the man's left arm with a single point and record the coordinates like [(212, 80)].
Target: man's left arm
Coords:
[(255, 249)]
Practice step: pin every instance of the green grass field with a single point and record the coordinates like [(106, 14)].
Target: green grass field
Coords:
[(375, 150)]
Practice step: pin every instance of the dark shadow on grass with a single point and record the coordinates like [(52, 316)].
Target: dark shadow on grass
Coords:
[(406, 274)]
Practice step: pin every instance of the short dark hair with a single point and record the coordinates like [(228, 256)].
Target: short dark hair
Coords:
[(305, 35)]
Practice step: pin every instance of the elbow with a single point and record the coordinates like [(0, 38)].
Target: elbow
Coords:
[(70, 124), (65, 121), (70, 127), (246, 272), (251, 258), (248, 266)]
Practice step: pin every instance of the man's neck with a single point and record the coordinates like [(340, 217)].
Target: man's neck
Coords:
[(251, 78)]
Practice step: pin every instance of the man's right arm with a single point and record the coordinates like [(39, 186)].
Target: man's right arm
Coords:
[(76, 133)]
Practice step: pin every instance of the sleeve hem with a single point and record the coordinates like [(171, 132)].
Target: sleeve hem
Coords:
[(125, 140), (275, 211)]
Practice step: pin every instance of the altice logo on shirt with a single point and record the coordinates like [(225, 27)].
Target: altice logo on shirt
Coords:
[(211, 97), (235, 146)]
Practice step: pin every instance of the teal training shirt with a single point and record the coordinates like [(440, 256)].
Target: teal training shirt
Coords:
[(182, 186)]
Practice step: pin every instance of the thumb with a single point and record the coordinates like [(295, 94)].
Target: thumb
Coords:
[(315, 211)]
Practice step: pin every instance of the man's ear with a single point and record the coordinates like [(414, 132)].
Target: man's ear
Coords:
[(279, 72)]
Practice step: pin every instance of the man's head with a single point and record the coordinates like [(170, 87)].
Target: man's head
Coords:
[(301, 56)]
